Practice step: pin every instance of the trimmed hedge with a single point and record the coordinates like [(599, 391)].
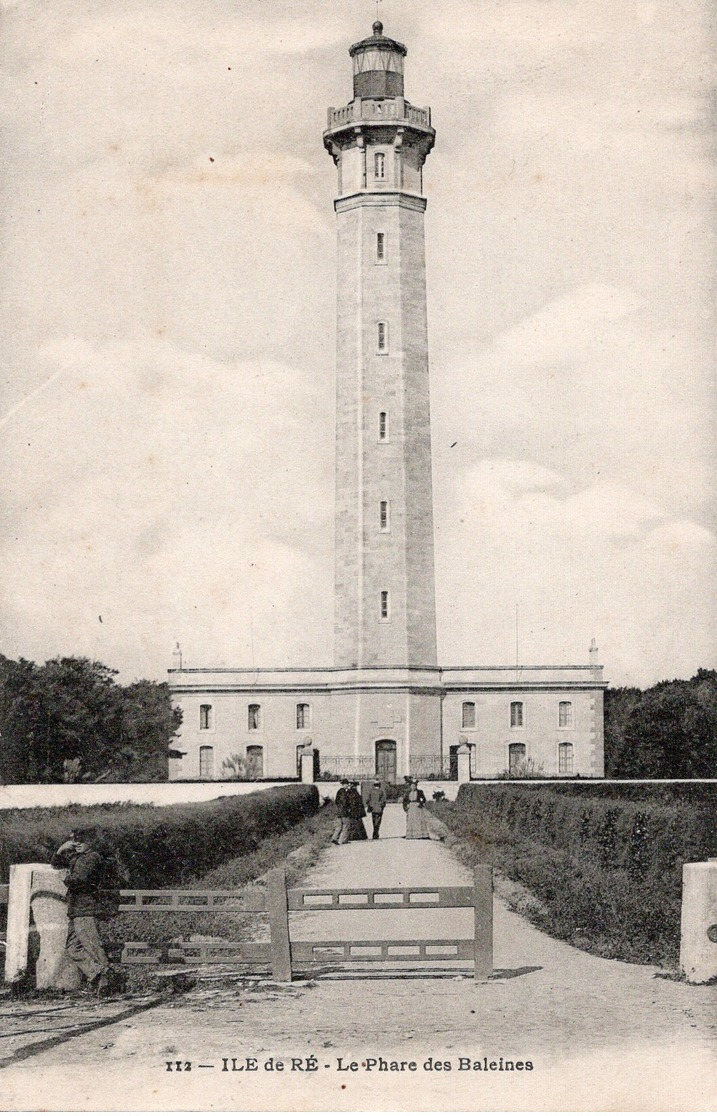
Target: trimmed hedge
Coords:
[(606, 869), (161, 846), (642, 837)]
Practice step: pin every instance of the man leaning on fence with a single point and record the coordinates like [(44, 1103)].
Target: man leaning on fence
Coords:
[(341, 830), (83, 857)]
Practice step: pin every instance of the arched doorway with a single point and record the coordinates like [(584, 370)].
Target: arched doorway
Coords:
[(386, 760)]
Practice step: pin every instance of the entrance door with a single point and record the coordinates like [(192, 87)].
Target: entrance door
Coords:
[(453, 762), (386, 760)]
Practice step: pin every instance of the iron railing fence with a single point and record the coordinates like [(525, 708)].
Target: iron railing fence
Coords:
[(429, 767)]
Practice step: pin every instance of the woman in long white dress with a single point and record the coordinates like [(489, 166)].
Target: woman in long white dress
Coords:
[(414, 801)]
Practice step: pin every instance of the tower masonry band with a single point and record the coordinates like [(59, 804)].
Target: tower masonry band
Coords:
[(385, 706)]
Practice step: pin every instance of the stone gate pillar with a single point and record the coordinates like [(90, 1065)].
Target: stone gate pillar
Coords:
[(307, 761), (40, 890), (698, 932)]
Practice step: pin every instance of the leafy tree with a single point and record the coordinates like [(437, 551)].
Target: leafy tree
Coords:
[(235, 767), (68, 720), (619, 702), (668, 731)]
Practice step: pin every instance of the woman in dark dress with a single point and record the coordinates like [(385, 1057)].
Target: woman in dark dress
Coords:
[(356, 812)]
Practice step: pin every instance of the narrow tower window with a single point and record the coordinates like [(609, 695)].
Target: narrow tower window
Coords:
[(468, 714), (384, 516), (383, 426), (303, 716), (379, 164), (516, 714), (205, 716), (382, 337), (254, 718), (380, 247), (384, 604)]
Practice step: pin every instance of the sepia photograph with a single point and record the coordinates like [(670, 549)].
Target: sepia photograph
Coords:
[(358, 672)]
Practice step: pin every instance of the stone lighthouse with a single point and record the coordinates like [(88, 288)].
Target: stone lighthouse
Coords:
[(384, 589), (385, 707)]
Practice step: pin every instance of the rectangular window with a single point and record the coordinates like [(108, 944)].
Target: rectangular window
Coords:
[(254, 721), (565, 714), (380, 247), (379, 164), (565, 759), (468, 714), (383, 426), (205, 716), (381, 337), (206, 763), (384, 516), (303, 716), (516, 714), (255, 761), (384, 604), (516, 759)]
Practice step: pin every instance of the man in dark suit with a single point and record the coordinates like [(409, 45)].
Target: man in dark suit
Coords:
[(341, 830), (376, 804)]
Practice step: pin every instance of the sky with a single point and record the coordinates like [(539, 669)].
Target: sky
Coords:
[(167, 328)]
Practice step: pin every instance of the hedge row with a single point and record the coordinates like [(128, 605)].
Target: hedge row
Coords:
[(607, 872), (641, 837), (161, 846)]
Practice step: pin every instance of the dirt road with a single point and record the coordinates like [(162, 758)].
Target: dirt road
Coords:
[(597, 1033)]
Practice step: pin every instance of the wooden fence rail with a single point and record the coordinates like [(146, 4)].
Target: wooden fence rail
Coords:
[(284, 952)]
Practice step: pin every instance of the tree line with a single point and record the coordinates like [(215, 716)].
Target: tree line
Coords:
[(666, 732), (68, 720)]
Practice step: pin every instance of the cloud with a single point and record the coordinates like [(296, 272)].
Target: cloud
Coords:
[(160, 489), (171, 32), (600, 561), (562, 330)]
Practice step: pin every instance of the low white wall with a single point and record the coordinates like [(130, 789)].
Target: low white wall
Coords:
[(156, 794), (24, 796)]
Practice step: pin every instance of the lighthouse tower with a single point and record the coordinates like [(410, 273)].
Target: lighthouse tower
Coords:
[(385, 707), (384, 575)]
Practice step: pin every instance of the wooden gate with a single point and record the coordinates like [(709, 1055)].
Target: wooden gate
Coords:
[(284, 952)]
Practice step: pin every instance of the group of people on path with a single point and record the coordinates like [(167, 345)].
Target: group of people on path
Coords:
[(351, 810)]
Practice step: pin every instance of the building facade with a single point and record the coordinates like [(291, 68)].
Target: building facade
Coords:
[(386, 706)]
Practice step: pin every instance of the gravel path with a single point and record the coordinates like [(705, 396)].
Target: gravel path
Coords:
[(600, 1034)]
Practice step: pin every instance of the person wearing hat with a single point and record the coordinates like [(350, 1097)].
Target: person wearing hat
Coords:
[(414, 801), (357, 812), (376, 804), (341, 830), (84, 952)]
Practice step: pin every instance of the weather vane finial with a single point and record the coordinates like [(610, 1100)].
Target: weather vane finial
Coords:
[(378, 26)]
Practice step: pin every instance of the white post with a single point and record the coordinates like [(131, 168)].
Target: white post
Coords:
[(698, 934), (307, 762), (464, 763), (39, 888), (18, 919), (49, 912)]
